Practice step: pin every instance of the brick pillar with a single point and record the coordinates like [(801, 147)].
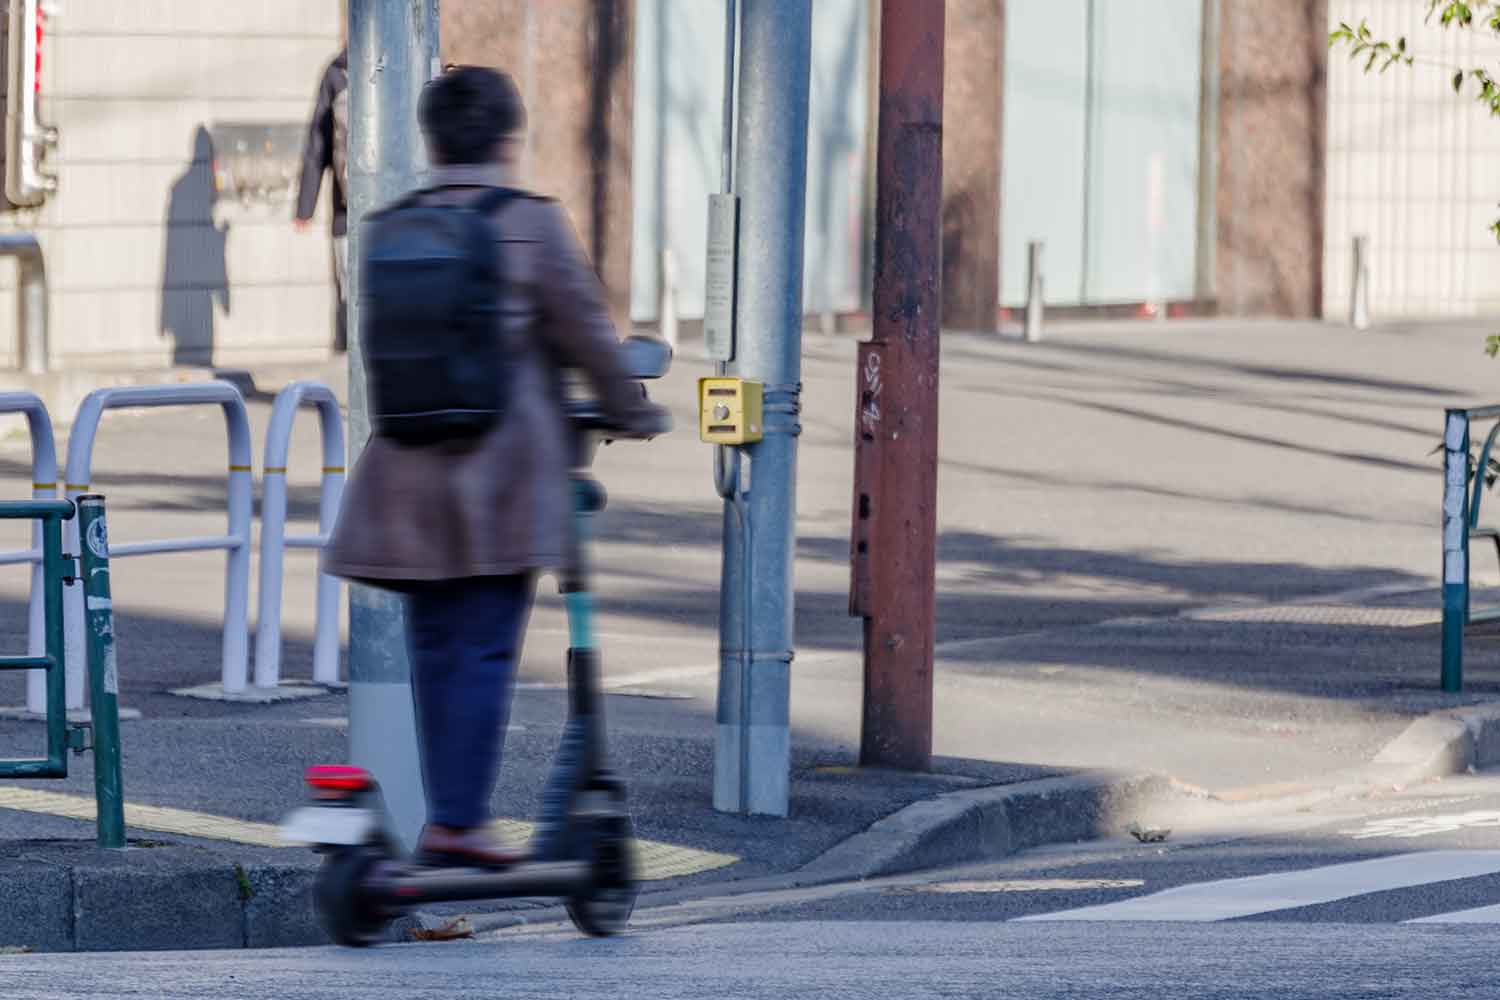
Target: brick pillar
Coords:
[(973, 56), (572, 60), (1271, 157)]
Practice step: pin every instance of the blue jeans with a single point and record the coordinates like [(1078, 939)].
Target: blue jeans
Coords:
[(464, 637)]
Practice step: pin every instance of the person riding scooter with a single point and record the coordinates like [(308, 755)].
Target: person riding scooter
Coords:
[(463, 494)]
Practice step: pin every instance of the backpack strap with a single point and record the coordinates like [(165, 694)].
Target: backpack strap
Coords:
[(492, 200)]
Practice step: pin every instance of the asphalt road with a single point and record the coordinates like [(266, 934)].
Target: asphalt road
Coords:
[(1218, 914), (825, 960)]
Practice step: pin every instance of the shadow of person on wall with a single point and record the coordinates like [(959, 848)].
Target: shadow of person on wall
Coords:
[(194, 273)]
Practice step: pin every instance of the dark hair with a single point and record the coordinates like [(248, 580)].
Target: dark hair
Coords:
[(467, 111)]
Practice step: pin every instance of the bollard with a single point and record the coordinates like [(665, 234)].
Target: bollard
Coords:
[(1034, 291), (274, 540), (33, 347), (104, 674), (1359, 299), (667, 310)]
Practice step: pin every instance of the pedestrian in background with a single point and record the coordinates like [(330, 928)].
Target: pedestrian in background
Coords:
[(326, 151)]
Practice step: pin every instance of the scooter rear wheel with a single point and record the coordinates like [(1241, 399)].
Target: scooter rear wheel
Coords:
[(345, 909), (605, 907)]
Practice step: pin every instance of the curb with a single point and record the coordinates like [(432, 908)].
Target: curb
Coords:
[(987, 824), (74, 896), (954, 828), (1439, 745)]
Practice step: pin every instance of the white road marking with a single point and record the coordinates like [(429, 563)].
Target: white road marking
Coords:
[(1478, 915), (1242, 897), (1021, 885), (1411, 827)]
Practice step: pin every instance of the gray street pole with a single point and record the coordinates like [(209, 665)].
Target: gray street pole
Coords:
[(393, 52), (752, 750)]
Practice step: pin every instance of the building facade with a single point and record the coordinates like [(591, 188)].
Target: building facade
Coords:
[(1415, 169), (1206, 156), (149, 265)]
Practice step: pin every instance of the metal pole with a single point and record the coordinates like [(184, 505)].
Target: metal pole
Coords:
[(1455, 546), (1206, 261), (393, 52), (895, 505), (1359, 298), (752, 751), (31, 300), (55, 569), (1034, 298), (104, 675)]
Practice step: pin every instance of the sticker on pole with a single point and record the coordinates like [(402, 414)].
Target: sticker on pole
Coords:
[(98, 539), (1454, 436), (111, 671)]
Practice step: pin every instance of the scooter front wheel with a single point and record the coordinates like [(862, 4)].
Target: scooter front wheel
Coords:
[(347, 911), (605, 907)]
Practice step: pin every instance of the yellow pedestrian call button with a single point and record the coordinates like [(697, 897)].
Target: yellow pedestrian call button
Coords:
[(730, 410)]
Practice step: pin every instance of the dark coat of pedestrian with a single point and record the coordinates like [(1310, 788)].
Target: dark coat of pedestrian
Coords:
[(503, 505), (325, 151), (318, 150)]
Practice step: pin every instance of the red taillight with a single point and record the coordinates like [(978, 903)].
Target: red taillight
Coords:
[(338, 778), (40, 17)]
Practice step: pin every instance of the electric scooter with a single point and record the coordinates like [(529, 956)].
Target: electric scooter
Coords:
[(580, 850)]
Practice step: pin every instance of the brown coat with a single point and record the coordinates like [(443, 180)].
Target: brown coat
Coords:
[(502, 505)]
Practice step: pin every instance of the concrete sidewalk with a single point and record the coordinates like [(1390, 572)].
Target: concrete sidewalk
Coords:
[(1204, 551)]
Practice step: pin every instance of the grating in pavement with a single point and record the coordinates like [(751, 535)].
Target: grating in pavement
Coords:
[(1322, 614)]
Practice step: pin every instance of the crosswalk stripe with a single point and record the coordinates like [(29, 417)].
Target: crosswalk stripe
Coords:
[(1478, 915), (1242, 897)]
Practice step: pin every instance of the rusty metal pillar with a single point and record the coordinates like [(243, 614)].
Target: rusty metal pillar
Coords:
[(893, 543), (973, 72)]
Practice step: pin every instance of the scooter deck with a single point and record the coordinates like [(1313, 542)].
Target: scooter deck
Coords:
[(446, 885)]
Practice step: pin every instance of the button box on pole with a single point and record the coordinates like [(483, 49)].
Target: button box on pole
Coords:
[(730, 410)]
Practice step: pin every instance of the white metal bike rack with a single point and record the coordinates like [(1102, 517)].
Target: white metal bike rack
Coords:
[(43, 487), (236, 541), (274, 540)]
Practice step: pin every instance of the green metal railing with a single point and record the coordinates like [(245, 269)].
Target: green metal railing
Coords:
[(55, 568), (58, 569)]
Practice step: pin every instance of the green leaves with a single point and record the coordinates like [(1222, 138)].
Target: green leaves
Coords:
[(1456, 11), (1489, 88), (1463, 13), (1362, 42)]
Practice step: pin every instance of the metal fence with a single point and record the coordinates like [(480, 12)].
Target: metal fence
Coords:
[(235, 541)]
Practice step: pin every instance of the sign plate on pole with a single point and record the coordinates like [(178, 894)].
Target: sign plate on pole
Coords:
[(718, 282)]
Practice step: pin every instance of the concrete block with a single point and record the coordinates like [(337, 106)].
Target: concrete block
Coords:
[(36, 906), (156, 899), (280, 912), (125, 907)]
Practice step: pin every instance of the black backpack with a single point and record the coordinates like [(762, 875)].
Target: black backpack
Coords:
[(435, 366)]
